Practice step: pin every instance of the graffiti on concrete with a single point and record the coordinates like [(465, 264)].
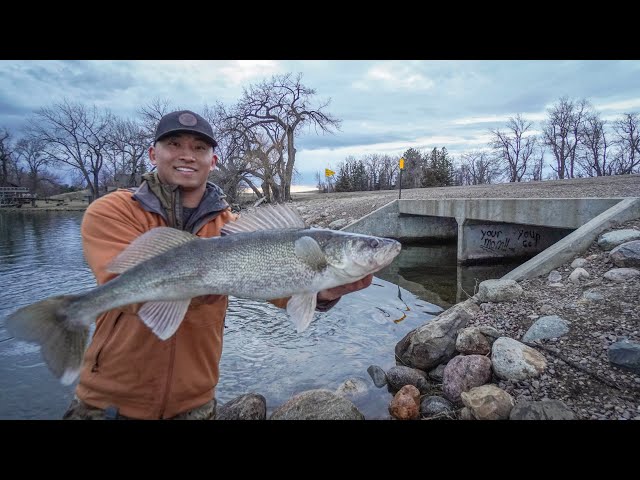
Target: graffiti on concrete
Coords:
[(494, 241), (509, 239)]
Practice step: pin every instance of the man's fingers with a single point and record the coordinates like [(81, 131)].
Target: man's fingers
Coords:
[(335, 292)]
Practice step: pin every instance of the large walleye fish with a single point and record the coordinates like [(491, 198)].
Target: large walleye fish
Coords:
[(265, 255)]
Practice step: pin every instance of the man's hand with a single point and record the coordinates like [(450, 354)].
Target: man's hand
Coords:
[(336, 292)]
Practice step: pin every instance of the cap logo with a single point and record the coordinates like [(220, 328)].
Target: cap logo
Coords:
[(187, 119)]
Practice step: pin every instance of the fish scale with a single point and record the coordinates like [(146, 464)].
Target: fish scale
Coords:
[(164, 268)]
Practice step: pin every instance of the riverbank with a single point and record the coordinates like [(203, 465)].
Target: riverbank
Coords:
[(50, 206), (600, 312)]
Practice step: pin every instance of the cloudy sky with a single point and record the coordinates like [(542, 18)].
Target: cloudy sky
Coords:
[(385, 106)]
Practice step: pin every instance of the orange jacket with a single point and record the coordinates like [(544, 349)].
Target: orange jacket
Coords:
[(126, 365)]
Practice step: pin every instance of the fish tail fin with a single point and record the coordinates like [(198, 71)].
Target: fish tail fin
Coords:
[(62, 341)]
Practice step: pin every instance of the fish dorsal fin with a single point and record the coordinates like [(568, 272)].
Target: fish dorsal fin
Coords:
[(301, 308), (148, 245), (269, 217), (308, 250), (164, 318)]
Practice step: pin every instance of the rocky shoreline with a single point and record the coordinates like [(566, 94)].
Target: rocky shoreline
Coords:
[(560, 346), (481, 359), (489, 357)]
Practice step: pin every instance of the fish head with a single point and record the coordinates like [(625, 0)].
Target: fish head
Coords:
[(356, 255)]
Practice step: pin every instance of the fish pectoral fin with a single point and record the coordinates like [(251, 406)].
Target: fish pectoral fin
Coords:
[(301, 308), (148, 245), (164, 318), (309, 251)]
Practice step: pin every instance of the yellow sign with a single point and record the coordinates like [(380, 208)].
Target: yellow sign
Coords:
[(328, 173), (402, 164)]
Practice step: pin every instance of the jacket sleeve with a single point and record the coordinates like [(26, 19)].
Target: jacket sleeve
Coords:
[(108, 227)]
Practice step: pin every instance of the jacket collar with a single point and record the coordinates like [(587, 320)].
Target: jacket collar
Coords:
[(164, 200)]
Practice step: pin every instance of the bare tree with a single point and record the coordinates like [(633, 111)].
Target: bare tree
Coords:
[(237, 151), (374, 165), (514, 147), (388, 172), (537, 164), (151, 115), (5, 156), (478, 168), (285, 101), (628, 142), (127, 152), (30, 151), (76, 136), (561, 133), (592, 158)]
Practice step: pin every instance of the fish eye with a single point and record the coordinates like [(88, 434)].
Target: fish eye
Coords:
[(373, 243)]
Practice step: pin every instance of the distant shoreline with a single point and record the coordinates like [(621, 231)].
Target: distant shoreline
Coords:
[(611, 186)]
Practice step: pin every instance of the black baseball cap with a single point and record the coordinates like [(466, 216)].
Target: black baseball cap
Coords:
[(185, 121)]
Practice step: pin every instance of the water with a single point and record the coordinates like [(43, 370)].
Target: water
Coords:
[(430, 272), (41, 255)]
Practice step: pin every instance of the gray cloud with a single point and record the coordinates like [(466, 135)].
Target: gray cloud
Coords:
[(392, 102)]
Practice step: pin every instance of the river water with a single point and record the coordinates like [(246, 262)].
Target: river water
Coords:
[(41, 256)]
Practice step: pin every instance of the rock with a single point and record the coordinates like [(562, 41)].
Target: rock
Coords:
[(377, 375), (399, 376), (352, 388), (579, 263), (405, 405), (513, 360), (620, 275), (435, 405), (593, 296), (317, 405), (626, 355), (542, 410), (472, 341), (577, 275), (251, 406), (435, 342), (498, 291), (464, 372), (338, 224), (437, 373), (546, 327), (610, 240), (626, 255), (488, 402)]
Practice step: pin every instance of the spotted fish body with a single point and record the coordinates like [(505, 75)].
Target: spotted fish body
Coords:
[(266, 255)]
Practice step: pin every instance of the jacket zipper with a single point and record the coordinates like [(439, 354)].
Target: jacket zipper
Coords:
[(109, 336), (167, 388)]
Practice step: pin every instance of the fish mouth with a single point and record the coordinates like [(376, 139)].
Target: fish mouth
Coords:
[(387, 253)]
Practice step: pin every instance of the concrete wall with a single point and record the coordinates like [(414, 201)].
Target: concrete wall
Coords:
[(503, 228), (386, 222), (577, 242), (482, 241), (551, 212)]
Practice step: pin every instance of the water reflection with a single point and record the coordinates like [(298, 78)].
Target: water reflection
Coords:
[(41, 256), (431, 273)]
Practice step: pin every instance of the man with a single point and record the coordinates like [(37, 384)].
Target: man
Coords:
[(127, 371)]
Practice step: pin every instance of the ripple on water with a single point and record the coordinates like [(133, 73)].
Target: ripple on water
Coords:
[(262, 353)]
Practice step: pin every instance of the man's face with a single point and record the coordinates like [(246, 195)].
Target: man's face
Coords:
[(183, 159)]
